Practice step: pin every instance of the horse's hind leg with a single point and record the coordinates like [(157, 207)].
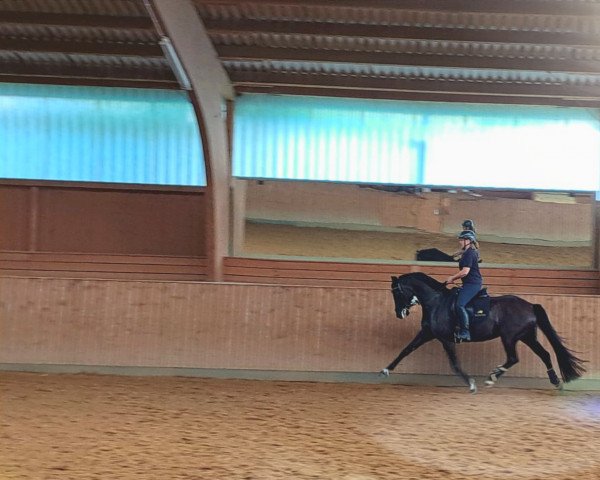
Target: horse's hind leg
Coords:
[(541, 352), (511, 359), (450, 349)]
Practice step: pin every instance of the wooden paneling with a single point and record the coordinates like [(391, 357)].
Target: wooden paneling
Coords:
[(244, 326), (376, 275), (321, 203), (15, 208), (126, 222), (61, 218), (72, 265)]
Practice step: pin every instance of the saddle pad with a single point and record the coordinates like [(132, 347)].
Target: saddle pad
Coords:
[(480, 305)]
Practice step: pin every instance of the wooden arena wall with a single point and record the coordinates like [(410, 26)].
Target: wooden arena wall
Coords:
[(320, 203), (59, 321), (567, 281), (102, 231)]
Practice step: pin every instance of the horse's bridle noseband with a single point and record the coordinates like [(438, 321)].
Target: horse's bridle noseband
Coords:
[(413, 301)]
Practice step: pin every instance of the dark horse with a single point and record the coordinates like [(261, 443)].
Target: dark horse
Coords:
[(434, 255), (511, 318)]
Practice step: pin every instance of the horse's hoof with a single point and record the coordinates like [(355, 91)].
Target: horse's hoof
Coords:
[(559, 386), (489, 383), (472, 386), (384, 373)]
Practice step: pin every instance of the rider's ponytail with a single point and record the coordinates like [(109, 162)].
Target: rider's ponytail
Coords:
[(475, 245)]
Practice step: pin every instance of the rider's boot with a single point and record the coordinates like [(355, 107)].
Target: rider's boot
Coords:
[(463, 320)]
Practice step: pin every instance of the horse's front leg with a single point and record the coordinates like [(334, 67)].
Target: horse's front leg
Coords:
[(450, 349), (422, 337)]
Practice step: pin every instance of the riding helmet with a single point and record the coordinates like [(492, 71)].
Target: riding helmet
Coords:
[(468, 235), (468, 225)]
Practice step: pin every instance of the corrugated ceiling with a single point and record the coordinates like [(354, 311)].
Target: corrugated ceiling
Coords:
[(510, 51)]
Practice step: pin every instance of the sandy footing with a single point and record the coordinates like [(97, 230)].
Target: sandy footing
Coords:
[(116, 427), (282, 239)]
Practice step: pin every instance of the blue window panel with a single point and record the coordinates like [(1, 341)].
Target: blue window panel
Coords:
[(416, 143), (97, 134)]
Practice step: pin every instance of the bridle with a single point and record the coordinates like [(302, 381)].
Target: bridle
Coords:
[(413, 301)]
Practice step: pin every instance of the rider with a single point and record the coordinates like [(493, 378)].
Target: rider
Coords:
[(471, 279), (466, 225)]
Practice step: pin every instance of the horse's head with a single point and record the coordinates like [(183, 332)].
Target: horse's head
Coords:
[(404, 297)]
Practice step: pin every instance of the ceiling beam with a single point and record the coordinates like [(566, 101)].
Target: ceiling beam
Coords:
[(326, 29), (88, 70), (524, 62), (413, 96), (61, 19), (454, 86), (509, 7), (89, 81), (81, 47)]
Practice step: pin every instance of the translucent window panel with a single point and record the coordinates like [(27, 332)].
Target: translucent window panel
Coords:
[(97, 134), (416, 143)]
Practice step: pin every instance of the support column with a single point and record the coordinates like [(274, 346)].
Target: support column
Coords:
[(34, 218), (596, 234), (209, 90)]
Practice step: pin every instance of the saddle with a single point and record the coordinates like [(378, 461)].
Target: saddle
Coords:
[(478, 307)]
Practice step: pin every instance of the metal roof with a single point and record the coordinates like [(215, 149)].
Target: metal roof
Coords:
[(509, 51), (81, 42)]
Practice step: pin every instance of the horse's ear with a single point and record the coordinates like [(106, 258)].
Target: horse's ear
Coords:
[(394, 278)]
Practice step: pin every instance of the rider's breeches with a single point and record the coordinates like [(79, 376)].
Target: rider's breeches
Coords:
[(466, 293)]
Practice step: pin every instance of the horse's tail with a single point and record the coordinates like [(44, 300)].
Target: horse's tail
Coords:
[(570, 366)]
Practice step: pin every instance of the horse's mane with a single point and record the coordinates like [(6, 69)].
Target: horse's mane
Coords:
[(426, 279)]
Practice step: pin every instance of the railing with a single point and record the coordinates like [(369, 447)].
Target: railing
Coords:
[(289, 272), (76, 265), (377, 276)]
